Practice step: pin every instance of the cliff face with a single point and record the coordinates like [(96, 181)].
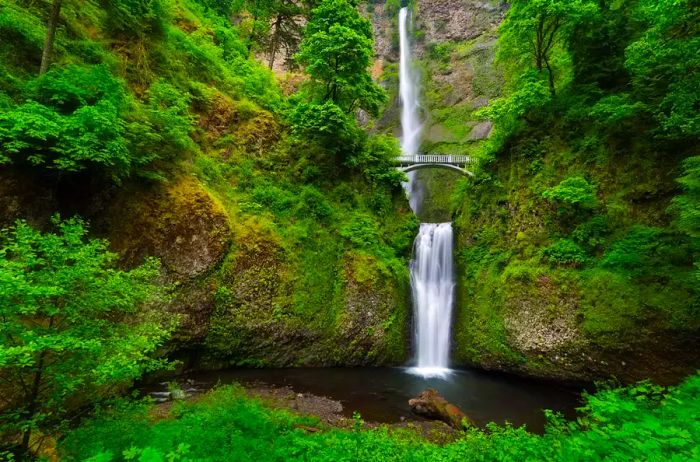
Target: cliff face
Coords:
[(626, 310), (243, 294)]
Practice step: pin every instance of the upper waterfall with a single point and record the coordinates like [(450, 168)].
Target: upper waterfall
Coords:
[(408, 88), (411, 125)]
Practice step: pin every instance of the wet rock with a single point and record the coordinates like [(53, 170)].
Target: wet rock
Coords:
[(430, 404)]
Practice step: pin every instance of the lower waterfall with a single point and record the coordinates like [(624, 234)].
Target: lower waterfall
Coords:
[(433, 282)]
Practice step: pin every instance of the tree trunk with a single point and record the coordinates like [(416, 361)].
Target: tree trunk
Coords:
[(551, 77), (33, 401), (50, 35), (539, 44), (251, 37), (274, 41)]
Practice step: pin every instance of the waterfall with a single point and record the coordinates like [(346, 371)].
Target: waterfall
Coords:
[(432, 273), (411, 125), (432, 281)]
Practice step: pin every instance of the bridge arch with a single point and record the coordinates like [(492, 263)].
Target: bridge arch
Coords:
[(454, 168), (457, 163)]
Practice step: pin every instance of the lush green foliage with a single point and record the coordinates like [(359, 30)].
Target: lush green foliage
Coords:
[(565, 252), (534, 29), (74, 327), (643, 422)]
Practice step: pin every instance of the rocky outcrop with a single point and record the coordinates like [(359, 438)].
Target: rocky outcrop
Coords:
[(178, 222), (431, 405)]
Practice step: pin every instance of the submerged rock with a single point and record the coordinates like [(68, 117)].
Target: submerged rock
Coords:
[(430, 404)]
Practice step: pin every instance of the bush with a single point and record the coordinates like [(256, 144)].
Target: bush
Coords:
[(168, 116), (327, 124), (314, 204), (136, 18), (362, 231), (572, 192), (279, 201), (73, 124), (635, 249), (565, 252), (377, 160), (592, 234)]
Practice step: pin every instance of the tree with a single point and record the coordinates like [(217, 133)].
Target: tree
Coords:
[(50, 36), (534, 28), (285, 30), (665, 65), (336, 51), (73, 326)]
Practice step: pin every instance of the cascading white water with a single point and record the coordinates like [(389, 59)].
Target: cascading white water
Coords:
[(432, 281), (432, 274), (411, 125)]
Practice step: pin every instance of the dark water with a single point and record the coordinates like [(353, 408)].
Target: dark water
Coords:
[(382, 394)]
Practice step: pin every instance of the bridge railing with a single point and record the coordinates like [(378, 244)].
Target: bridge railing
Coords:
[(436, 159)]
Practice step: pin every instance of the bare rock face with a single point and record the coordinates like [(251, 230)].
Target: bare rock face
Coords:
[(481, 131), (430, 404), (450, 20)]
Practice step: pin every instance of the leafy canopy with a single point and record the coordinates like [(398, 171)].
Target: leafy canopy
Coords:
[(533, 30)]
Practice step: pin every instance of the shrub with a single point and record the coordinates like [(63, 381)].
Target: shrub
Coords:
[(565, 252), (592, 234), (377, 160), (362, 231), (279, 201), (635, 249), (74, 123), (136, 18), (572, 192), (327, 124), (314, 204)]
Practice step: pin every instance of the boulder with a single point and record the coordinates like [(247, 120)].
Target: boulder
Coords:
[(430, 404), (481, 131)]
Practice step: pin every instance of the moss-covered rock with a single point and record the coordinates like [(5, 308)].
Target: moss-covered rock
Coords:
[(626, 308), (267, 315), (178, 222)]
